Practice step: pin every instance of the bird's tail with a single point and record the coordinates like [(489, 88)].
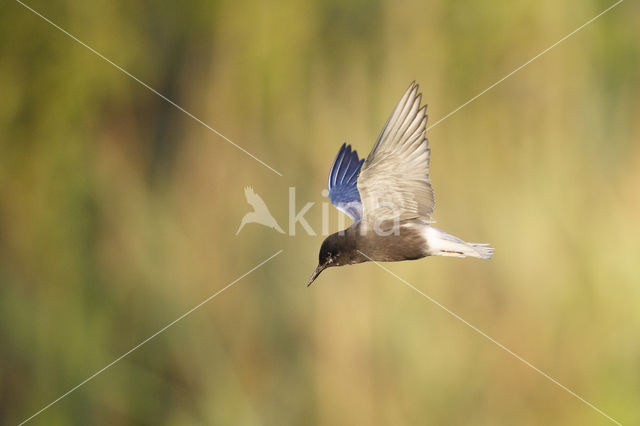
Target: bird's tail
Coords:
[(442, 244)]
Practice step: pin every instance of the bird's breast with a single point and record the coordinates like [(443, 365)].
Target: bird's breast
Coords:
[(407, 243)]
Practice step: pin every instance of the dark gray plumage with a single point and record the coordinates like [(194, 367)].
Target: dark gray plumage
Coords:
[(390, 198)]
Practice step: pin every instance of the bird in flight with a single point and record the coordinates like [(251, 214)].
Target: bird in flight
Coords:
[(260, 213), (390, 198)]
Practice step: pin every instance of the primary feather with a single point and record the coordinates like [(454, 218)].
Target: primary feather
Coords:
[(394, 182), (343, 182)]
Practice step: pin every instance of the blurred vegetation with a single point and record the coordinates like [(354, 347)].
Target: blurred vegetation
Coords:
[(118, 213)]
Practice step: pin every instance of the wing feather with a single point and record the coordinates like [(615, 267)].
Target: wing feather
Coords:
[(343, 182), (394, 181)]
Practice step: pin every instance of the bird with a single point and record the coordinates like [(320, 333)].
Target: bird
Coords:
[(260, 213), (389, 197)]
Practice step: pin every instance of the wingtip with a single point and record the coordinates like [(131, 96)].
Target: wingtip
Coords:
[(347, 151), (412, 93), (354, 155)]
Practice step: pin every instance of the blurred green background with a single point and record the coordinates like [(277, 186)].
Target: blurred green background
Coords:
[(118, 213)]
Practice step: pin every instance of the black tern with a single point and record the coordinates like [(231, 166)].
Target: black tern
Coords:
[(390, 198)]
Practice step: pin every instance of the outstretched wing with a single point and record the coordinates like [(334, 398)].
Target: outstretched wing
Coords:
[(394, 181), (343, 182)]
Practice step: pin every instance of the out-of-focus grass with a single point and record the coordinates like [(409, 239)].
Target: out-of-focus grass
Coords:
[(118, 213)]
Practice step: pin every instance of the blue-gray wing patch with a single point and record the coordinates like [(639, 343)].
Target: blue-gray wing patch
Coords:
[(343, 182)]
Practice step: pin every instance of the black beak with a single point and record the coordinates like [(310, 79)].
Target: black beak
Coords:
[(315, 274)]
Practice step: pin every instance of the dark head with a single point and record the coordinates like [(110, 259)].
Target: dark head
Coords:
[(337, 249)]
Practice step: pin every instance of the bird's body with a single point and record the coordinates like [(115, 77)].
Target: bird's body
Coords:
[(390, 198), (414, 240)]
